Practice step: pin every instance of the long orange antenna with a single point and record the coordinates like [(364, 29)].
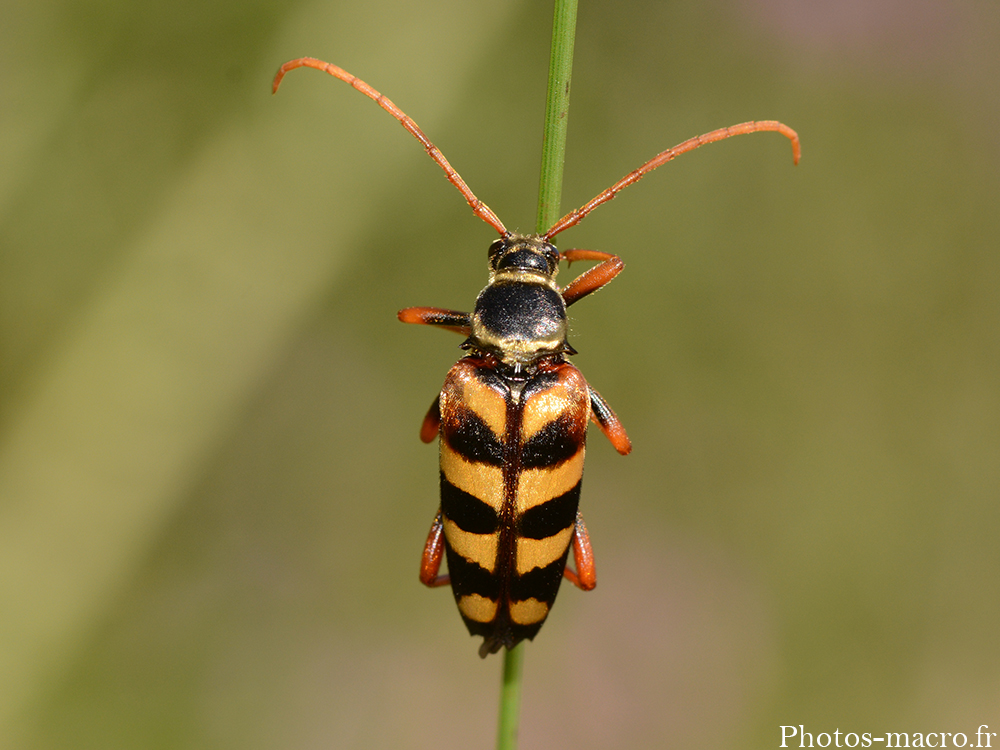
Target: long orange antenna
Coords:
[(574, 217), (479, 208)]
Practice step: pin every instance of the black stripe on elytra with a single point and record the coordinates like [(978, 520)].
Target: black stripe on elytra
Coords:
[(501, 633), (541, 583), (469, 577), (467, 511), (542, 381), (556, 442), (486, 629), (520, 632), (552, 516), (472, 438)]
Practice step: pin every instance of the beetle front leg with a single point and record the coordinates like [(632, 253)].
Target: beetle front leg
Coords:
[(585, 576), (450, 320), (430, 562), (595, 278)]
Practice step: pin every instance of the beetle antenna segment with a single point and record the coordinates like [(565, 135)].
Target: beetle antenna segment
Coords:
[(574, 217), (479, 208)]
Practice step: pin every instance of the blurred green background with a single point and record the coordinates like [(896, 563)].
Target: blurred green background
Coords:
[(212, 496)]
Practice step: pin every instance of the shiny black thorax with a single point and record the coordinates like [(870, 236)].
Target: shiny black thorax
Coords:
[(520, 317)]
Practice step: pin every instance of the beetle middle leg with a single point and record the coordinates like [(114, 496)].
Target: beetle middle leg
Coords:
[(432, 422), (609, 423), (585, 575), (430, 562)]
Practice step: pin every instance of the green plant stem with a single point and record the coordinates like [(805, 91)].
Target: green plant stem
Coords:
[(556, 114), (549, 198), (510, 698)]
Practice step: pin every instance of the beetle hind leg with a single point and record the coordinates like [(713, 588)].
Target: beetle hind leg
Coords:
[(585, 575), (430, 562)]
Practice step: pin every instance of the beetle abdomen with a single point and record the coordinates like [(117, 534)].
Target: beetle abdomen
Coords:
[(512, 451)]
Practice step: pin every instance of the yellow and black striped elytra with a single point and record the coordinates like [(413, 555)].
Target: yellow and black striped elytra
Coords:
[(512, 415), (512, 420), (512, 450)]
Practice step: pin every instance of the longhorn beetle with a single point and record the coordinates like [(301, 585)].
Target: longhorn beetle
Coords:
[(512, 414)]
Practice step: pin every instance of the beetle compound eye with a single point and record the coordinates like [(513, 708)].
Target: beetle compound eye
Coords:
[(552, 258), (496, 247), (524, 259)]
